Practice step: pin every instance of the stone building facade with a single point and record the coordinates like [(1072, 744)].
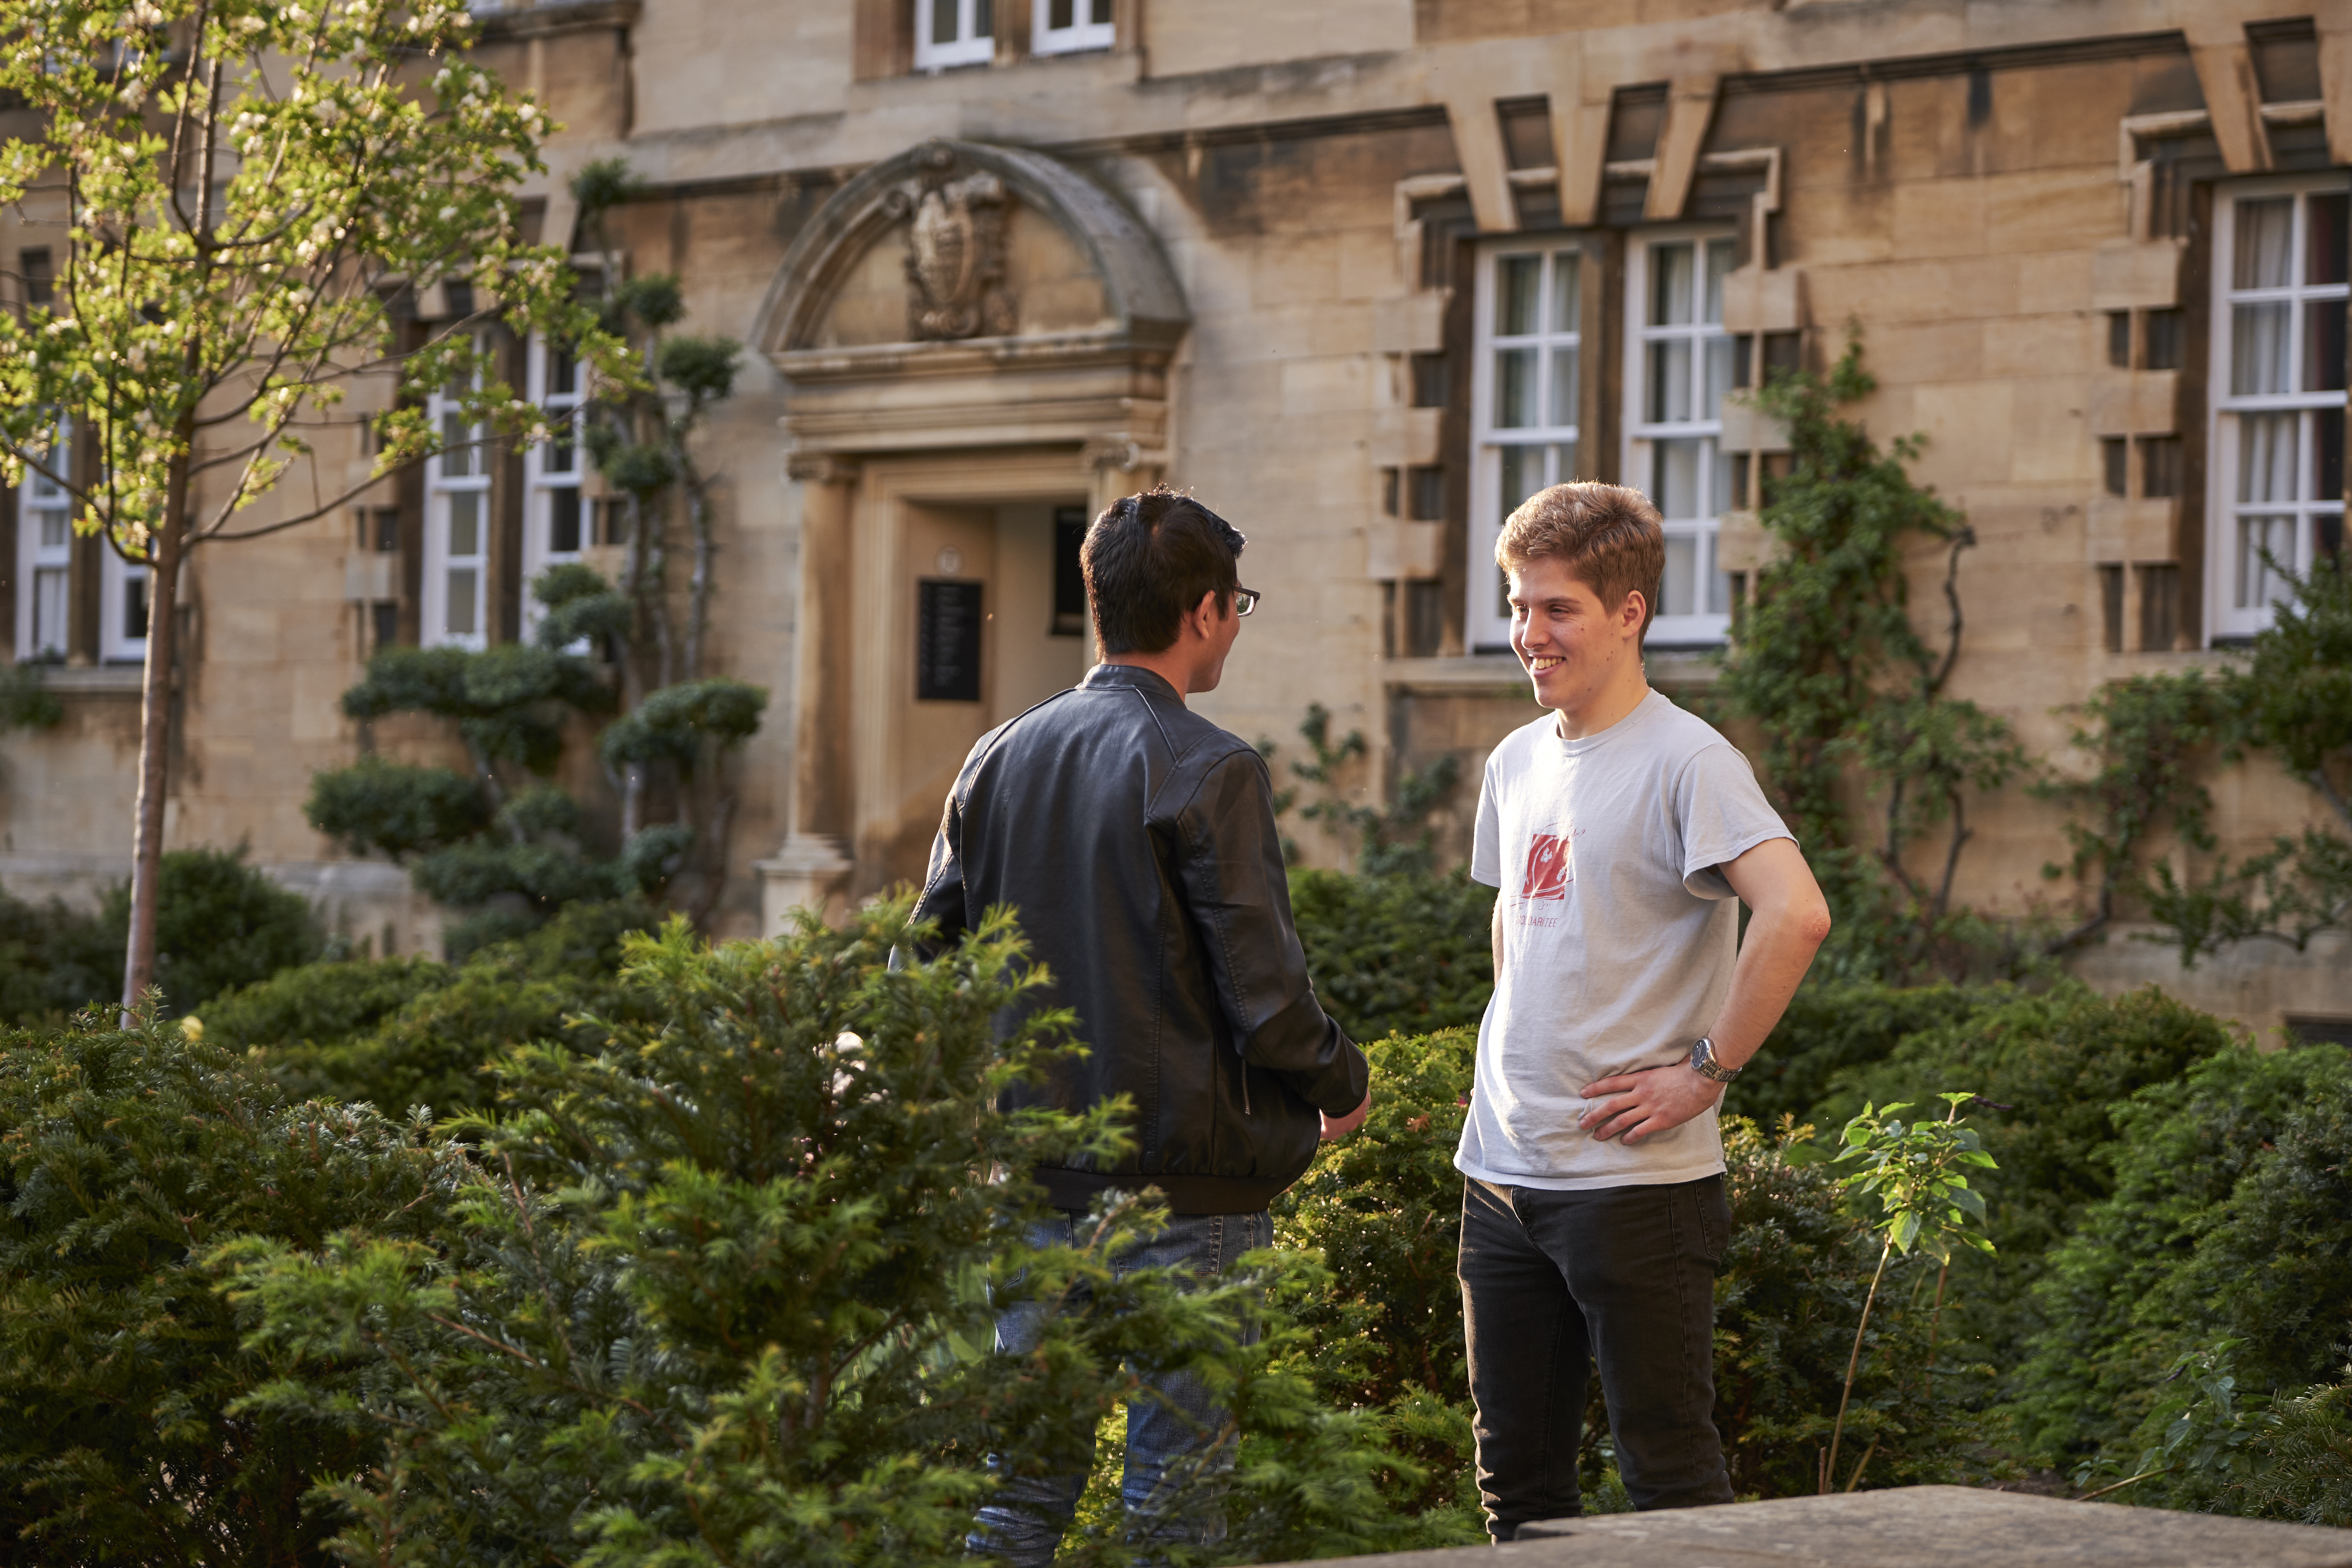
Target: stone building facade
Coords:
[(1362, 273)]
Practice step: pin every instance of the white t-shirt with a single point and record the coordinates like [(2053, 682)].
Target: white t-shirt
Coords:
[(1619, 936)]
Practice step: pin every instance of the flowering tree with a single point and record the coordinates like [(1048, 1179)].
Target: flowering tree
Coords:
[(247, 190)]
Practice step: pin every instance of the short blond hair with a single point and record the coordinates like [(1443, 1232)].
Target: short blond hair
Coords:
[(1609, 536)]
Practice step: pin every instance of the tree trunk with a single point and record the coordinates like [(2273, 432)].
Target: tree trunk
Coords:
[(164, 548)]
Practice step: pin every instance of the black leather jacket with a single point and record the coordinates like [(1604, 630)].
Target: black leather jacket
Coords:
[(1136, 841)]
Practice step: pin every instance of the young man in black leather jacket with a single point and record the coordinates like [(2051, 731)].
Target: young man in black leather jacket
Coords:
[(1136, 841)]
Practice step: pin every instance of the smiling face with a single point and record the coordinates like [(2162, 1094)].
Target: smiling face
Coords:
[(1575, 650)]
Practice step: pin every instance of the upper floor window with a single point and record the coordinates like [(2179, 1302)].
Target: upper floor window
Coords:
[(953, 33), (1679, 364), (456, 579), (44, 557), (1064, 27), (1523, 405), (2278, 364), (554, 519)]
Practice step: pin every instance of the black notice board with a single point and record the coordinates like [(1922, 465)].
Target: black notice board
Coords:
[(948, 622)]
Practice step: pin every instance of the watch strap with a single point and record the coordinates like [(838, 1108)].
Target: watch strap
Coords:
[(1703, 1062)]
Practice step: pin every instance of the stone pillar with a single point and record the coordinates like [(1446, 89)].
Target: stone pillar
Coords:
[(811, 868)]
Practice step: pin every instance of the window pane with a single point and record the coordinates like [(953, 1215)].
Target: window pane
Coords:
[(1564, 383), (563, 373), (465, 523), (557, 458), (457, 454), (944, 21), (563, 521), (1718, 593), (1514, 389), (1678, 591), (1517, 279), (983, 20), (2327, 534), (49, 609), (1522, 476), (1718, 262), (462, 583), (1563, 463), (1670, 381), (1567, 291), (134, 607), (2324, 239), (1719, 378), (2327, 454), (2258, 585), (1670, 285), (1102, 13), (1674, 477), (2322, 345), (56, 528), (2258, 344), (2263, 229), (1719, 492), (1057, 13), (2266, 465)]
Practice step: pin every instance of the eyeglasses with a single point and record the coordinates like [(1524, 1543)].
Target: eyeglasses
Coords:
[(1246, 600)]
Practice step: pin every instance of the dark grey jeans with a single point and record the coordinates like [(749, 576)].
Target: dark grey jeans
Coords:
[(1553, 1283)]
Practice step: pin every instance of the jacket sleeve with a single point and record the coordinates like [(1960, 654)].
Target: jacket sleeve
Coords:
[(943, 891), (1229, 865)]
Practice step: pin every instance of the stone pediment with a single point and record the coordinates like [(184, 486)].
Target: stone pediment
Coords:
[(964, 294)]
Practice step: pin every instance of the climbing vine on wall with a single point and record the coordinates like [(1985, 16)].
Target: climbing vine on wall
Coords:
[(2157, 739), (1873, 762)]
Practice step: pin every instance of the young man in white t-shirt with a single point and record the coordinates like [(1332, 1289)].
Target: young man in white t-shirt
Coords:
[(1617, 829)]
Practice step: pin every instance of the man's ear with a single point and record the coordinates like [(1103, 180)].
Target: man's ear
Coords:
[(1630, 613)]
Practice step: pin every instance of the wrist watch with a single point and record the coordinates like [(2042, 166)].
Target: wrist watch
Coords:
[(1703, 1062)]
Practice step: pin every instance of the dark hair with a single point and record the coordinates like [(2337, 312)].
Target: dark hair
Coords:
[(1149, 559)]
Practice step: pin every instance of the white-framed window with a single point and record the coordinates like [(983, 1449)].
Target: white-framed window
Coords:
[(2280, 283), (121, 610), (555, 518), (1523, 405), (1065, 26), (44, 557), (1678, 365), (953, 33), (456, 605)]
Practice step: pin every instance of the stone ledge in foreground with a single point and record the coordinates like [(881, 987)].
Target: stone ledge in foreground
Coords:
[(1903, 1527)]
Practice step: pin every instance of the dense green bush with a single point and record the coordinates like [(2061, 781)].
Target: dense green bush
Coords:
[(2225, 1222), (395, 1033), (1407, 954), (127, 1157), (219, 923), (2046, 1069), (1833, 1028), (714, 1295)]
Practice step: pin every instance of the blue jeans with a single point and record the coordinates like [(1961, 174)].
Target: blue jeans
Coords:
[(1022, 1524)]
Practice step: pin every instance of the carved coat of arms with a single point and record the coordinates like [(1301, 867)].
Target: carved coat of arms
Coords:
[(955, 253)]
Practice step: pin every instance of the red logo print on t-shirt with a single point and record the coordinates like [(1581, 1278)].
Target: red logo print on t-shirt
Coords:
[(1548, 866)]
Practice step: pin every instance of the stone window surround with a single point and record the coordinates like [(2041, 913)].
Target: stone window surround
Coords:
[(2226, 619)]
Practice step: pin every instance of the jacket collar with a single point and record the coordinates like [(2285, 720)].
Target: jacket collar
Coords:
[(1130, 675)]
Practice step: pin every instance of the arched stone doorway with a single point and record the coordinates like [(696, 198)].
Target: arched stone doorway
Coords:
[(975, 342)]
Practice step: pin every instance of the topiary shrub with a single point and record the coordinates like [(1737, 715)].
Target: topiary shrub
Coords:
[(1402, 953), (124, 1157)]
